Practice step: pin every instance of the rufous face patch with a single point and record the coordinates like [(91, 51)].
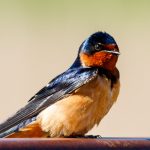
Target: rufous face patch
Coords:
[(99, 59)]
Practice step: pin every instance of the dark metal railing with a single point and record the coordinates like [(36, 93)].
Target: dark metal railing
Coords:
[(76, 144)]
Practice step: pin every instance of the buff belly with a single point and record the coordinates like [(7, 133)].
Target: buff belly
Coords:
[(78, 113)]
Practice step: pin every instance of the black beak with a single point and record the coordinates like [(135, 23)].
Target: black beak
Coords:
[(112, 52)]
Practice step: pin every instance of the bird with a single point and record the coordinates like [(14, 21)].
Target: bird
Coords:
[(75, 101)]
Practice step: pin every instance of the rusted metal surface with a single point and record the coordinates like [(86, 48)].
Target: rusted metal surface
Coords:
[(76, 143)]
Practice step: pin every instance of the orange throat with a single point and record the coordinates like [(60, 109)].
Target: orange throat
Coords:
[(99, 59)]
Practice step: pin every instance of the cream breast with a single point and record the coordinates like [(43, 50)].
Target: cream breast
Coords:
[(78, 113)]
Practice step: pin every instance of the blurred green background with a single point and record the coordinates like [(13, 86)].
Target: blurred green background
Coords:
[(39, 39)]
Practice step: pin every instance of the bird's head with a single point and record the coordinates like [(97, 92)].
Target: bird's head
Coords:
[(99, 50)]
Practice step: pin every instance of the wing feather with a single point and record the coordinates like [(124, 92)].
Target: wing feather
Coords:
[(60, 87)]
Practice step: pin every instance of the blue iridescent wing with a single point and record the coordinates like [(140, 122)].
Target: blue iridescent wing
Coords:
[(60, 87)]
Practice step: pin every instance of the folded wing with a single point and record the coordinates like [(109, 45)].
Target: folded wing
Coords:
[(60, 87)]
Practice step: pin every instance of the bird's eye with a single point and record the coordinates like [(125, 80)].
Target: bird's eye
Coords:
[(98, 46)]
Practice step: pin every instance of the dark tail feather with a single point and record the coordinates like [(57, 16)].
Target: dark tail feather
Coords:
[(16, 128)]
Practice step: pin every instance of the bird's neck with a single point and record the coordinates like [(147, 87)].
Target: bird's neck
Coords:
[(77, 63), (113, 75)]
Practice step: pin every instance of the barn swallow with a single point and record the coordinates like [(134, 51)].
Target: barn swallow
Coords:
[(75, 101)]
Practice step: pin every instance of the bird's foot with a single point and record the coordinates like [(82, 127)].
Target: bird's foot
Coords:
[(86, 136), (93, 136)]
